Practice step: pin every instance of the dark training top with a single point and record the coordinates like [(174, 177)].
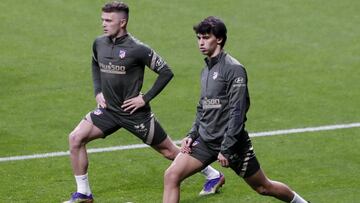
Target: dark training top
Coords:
[(118, 71), (224, 101)]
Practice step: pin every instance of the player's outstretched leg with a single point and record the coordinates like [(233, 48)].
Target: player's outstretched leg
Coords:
[(78, 138), (264, 186)]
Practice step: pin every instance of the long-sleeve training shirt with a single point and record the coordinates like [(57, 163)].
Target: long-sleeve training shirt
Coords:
[(224, 101), (118, 71)]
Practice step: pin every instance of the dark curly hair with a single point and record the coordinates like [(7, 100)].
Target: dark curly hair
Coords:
[(212, 25)]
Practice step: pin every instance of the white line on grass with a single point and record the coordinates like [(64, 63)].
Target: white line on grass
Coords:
[(136, 146)]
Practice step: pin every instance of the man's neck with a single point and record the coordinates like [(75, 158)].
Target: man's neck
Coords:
[(215, 53), (120, 34)]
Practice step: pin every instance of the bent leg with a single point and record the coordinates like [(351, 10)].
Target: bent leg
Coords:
[(214, 179), (78, 138), (182, 167), (167, 148), (264, 186)]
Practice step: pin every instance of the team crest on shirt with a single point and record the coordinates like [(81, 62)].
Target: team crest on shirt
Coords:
[(196, 142), (122, 53), (215, 75), (97, 112)]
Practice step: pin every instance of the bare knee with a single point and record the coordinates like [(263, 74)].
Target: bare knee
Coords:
[(262, 190), (264, 187), (171, 177), (76, 139)]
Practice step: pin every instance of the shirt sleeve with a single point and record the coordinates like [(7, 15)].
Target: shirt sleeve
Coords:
[(95, 71), (194, 131), (239, 103), (159, 66)]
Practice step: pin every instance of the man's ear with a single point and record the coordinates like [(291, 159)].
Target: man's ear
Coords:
[(219, 40), (123, 23)]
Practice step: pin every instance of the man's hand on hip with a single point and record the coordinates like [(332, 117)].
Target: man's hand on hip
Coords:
[(100, 100), (133, 104)]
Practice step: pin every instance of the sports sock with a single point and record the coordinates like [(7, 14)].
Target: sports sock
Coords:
[(210, 173), (82, 183), (297, 199)]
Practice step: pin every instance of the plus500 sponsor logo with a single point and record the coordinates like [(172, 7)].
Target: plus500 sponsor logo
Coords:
[(211, 104), (110, 68)]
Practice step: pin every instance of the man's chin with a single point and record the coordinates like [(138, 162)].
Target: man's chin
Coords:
[(108, 34), (204, 52)]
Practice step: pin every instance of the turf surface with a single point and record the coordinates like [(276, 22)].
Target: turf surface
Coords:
[(302, 59)]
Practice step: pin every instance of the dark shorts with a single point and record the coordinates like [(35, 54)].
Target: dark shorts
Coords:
[(243, 162), (142, 125)]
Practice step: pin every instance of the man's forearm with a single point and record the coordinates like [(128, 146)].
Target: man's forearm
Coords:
[(162, 80)]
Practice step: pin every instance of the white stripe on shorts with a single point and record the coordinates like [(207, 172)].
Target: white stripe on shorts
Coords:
[(150, 135)]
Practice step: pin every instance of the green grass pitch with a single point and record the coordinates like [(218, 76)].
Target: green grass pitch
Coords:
[(302, 58)]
